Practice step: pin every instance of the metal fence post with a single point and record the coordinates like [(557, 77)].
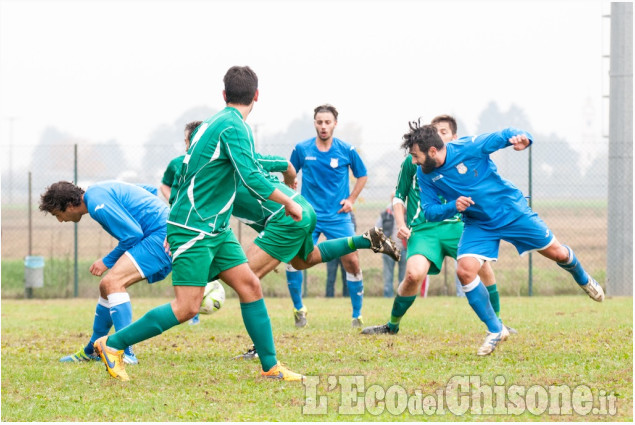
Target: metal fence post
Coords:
[(76, 265), (530, 265)]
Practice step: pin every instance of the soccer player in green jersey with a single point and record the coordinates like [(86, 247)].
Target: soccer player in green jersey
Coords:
[(170, 176), (428, 242), (199, 236), (281, 239)]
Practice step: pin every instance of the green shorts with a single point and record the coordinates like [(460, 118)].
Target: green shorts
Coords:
[(197, 257), (435, 242), (283, 238)]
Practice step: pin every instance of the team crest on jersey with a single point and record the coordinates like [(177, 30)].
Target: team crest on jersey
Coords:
[(461, 168), (334, 163)]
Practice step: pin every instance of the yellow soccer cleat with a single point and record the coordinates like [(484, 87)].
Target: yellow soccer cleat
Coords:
[(113, 359), (281, 372)]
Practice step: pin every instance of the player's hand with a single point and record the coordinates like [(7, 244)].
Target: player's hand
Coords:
[(292, 183), (98, 268), (294, 210), (403, 232), (166, 247), (347, 206), (519, 142), (463, 202)]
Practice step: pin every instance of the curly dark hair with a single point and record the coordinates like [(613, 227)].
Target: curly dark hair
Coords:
[(60, 196), (424, 136)]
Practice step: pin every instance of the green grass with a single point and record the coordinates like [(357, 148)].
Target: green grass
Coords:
[(187, 373)]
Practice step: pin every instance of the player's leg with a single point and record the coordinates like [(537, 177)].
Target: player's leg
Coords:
[(425, 255), (123, 273), (566, 259), (355, 283), (489, 280), (193, 254), (477, 246), (102, 322), (337, 247), (256, 320), (530, 233)]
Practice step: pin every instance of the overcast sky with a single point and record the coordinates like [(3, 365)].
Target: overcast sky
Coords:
[(103, 70)]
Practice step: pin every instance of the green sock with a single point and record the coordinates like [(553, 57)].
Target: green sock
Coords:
[(494, 299), (399, 308), (153, 323), (258, 327), (335, 248)]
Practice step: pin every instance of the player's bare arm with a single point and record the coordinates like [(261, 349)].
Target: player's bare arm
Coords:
[(291, 208), (463, 202), (347, 204), (290, 177), (403, 232)]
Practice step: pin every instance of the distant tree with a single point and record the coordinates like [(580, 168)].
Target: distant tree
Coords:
[(53, 159), (166, 143)]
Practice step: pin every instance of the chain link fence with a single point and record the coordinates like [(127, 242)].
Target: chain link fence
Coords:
[(567, 192)]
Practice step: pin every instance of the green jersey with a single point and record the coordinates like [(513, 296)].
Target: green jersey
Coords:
[(407, 193), (254, 212), (220, 158), (170, 176)]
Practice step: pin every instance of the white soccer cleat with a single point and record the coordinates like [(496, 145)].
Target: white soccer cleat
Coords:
[(491, 341), (594, 290)]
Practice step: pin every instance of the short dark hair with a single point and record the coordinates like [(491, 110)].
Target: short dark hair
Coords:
[(424, 136), (190, 127), (325, 108), (241, 83), (445, 118), (60, 196)]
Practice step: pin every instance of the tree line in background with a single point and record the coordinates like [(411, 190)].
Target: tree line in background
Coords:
[(558, 170)]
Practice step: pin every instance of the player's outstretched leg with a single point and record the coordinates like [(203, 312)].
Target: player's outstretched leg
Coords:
[(382, 243), (101, 326), (373, 238), (582, 278)]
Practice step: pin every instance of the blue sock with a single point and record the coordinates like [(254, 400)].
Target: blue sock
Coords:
[(294, 280), (121, 313), (478, 297), (356, 292), (101, 324), (574, 267)]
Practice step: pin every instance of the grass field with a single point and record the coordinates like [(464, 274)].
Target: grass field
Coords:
[(187, 374)]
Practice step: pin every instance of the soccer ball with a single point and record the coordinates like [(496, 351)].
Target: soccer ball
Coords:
[(213, 298)]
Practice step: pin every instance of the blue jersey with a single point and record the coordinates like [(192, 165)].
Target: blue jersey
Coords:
[(469, 171), (325, 176), (127, 212)]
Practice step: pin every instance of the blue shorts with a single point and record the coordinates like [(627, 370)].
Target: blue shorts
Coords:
[(150, 257), (342, 229), (526, 233)]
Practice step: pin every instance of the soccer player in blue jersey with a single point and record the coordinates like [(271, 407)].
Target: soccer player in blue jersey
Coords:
[(493, 210), (137, 218), (325, 162)]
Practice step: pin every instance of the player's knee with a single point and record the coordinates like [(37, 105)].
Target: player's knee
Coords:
[(465, 275), (108, 285), (413, 277)]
